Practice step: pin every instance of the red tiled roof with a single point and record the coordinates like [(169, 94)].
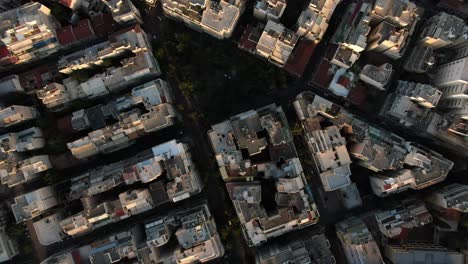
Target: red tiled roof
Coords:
[(120, 212), (9, 60), (247, 42), (322, 77), (297, 61), (33, 79), (64, 125), (357, 95), (76, 257), (135, 27), (65, 35), (83, 30), (454, 4), (355, 12), (331, 50), (102, 23), (4, 52), (65, 160), (403, 235), (343, 81), (66, 3)]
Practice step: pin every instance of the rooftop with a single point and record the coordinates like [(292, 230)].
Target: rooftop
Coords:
[(354, 27), (412, 252), (154, 96), (401, 12), (26, 140), (16, 114), (396, 222), (357, 241), (217, 18), (304, 248), (269, 9), (327, 146), (345, 56), (261, 135), (373, 147), (445, 27), (14, 172), (195, 233), (276, 43), (313, 21), (377, 76), (257, 145), (453, 196), (32, 204), (27, 33), (132, 124), (48, 229), (112, 249), (412, 104), (261, 220)]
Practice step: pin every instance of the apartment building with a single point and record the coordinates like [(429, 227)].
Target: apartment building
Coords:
[(412, 252), (344, 56), (443, 30), (48, 230), (269, 9), (97, 214), (8, 247), (10, 85), (313, 21), (377, 77), (411, 103), (131, 46), (35, 203), (26, 140), (420, 60), (398, 164), (217, 18), (357, 242), (399, 12), (304, 248), (399, 220), (183, 236), (276, 43), (124, 11), (16, 114), (121, 246), (27, 34), (452, 79), (447, 204), (170, 162), (388, 39), (13, 172), (327, 146), (131, 124), (424, 168), (256, 133), (354, 27)]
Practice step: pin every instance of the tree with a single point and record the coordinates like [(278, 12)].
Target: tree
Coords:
[(187, 88), (51, 178), (296, 130), (184, 40), (160, 54)]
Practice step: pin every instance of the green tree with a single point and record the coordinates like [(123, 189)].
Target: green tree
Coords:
[(296, 130), (188, 88), (51, 178), (160, 53)]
